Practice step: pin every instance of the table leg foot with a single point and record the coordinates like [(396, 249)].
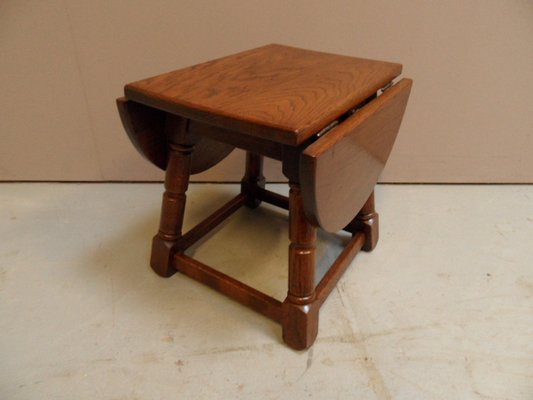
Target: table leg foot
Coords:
[(161, 258), (299, 325)]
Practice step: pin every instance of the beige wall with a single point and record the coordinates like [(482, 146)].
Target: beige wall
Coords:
[(64, 62)]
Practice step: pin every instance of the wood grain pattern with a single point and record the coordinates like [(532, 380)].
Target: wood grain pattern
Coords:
[(276, 92), (338, 172), (145, 127)]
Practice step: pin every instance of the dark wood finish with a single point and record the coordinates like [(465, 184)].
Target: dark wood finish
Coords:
[(300, 322), (208, 153), (339, 171), (253, 179), (232, 288), (353, 227), (173, 205), (145, 128), (275, 92), (273, 198), (264, 147), (318, 113)]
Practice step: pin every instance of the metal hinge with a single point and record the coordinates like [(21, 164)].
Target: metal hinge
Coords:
[(350, 112), (386, 87), (327, 128)]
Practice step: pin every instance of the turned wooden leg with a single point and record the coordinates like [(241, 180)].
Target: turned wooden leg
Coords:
[(367, 220), (300, 319), (173, 205), (253, 179)]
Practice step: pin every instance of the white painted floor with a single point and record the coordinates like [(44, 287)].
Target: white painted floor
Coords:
[(442, 309)]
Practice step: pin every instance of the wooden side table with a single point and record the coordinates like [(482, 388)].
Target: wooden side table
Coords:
[(331, 120)]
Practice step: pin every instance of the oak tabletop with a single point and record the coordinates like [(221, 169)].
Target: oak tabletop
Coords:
[(277, 92)]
